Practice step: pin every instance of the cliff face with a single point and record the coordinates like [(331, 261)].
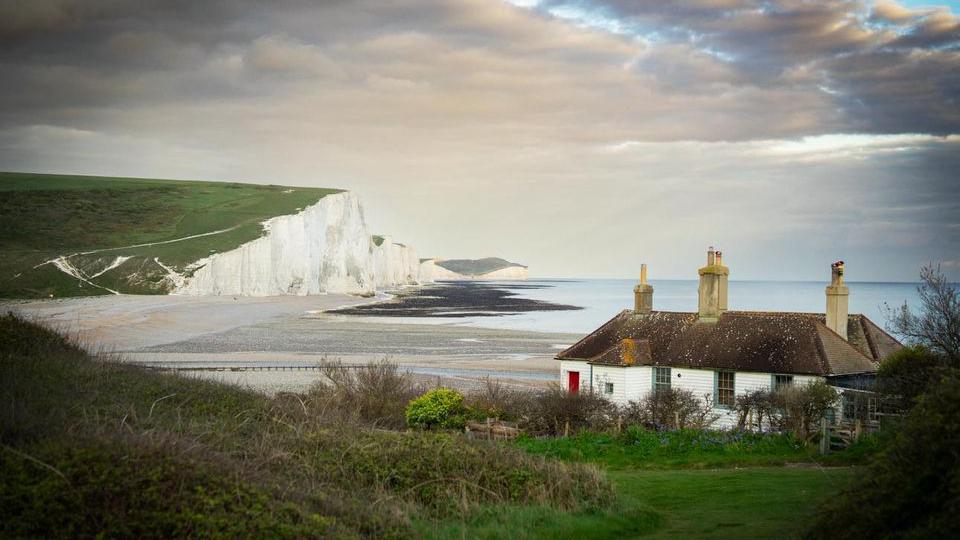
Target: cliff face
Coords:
[(394, 264), (324, 248), (512, 272)]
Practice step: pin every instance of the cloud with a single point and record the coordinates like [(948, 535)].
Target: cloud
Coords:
[(882, 79), (536, 127), (277, 54), (892, 12)]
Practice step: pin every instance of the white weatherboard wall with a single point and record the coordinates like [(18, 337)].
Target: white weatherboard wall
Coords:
[(566, 366), (602, 375), (634, 383), (326, 248)]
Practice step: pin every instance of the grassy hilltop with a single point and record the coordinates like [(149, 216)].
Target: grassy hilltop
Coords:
[(43, 217)]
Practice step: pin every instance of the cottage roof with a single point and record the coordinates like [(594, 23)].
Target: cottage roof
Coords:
[(775, 342)]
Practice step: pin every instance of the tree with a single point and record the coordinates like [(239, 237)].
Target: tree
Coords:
[(906, 374), (937, 324), (912, 489)]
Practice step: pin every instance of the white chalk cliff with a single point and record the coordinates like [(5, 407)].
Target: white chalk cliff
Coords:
[(325, 248), (394, 264)]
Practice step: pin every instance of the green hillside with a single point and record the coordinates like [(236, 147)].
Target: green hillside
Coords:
[(476, 267), (99, 225)]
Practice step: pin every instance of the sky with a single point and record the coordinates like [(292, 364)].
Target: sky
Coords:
[(579, 137)]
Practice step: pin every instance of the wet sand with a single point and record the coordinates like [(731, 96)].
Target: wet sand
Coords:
[(128, 322), (235, 340), (457, 299)]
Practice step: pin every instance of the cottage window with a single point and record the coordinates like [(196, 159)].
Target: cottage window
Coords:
[(725, 388), (661, 378), (848, 407), (782, 381), (608, 388)]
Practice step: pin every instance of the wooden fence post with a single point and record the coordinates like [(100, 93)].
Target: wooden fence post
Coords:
[(824, 436)]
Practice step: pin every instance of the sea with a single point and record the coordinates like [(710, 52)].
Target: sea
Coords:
[(601, 299)]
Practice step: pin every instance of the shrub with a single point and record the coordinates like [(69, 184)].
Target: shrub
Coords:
[(449, 474), (753, 407), (438, 408), (912, 488), (555, 411), (906, 374), (496, 400), (637, 447), (697, 441), (374, 394), (798, 408), (670, 408), (99, 489)]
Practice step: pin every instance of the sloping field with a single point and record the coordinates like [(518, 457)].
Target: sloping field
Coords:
[(89, 235)]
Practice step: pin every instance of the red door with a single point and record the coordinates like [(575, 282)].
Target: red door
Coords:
[(573, 381)]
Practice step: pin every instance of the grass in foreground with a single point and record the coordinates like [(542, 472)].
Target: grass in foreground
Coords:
[(44, 216), (747, 503), (733, 503), (92, 447)]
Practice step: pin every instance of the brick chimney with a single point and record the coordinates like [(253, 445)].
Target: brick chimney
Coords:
[(838, 299), (643, 294), (713, 287)]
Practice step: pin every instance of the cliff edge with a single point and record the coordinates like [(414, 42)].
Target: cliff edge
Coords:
[(83, 236)]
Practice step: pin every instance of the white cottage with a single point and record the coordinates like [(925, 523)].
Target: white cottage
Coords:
[(720, 353)]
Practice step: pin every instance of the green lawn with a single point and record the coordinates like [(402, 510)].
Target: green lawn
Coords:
[(760, 502), (740, 503), (687, 484), (44, 216)]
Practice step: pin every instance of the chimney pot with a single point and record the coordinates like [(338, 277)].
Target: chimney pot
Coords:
[(643, 294), (838, 298), (712, 292)]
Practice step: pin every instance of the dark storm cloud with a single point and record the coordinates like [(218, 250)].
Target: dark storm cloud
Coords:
[(889, 68)]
